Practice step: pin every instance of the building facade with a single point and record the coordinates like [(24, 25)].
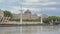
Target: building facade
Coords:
[(1, 14), (26, 15), (43, 16)]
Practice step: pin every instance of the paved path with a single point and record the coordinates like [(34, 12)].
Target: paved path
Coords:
[(14, 22)]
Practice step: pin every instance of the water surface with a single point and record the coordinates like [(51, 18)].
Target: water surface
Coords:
[(30, 30), (41, 30)]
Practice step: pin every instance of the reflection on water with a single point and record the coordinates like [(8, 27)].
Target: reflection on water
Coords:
[(41, 30), (10, 30), (30, 30)]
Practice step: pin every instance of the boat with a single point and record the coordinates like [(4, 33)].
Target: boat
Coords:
[(56, 23)]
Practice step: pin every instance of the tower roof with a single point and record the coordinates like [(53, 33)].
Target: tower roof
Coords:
[(44, 15), (27, 12)]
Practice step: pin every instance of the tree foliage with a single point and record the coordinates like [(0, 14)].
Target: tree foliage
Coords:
[(7, 13), (54, 18), (50, 18)]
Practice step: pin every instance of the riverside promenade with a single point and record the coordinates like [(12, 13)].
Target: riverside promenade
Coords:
[(14, 23)]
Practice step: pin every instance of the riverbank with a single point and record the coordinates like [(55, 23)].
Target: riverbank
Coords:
[(12, 25), (7, 24)]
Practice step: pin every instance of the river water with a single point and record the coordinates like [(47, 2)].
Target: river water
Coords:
[(30, 30)]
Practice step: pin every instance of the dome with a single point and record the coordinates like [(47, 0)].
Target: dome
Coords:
[(44, 15), (27, 12)]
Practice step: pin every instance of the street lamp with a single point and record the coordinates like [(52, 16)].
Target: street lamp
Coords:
[(21, 16), (41, 17)]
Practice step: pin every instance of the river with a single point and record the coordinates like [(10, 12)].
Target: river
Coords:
[(30, 30)]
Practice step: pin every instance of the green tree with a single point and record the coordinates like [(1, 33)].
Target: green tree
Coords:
[(7, 13), (54, 18), (46, 20)]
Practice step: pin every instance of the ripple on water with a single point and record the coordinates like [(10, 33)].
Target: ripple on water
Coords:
[(41, 30), (10, 30), (30, 30)]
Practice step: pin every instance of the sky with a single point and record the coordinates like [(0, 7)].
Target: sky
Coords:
[(49, 7)]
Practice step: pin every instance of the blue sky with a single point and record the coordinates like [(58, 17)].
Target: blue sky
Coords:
[(49, 7)]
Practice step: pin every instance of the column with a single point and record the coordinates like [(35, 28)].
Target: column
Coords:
[(21, 17)]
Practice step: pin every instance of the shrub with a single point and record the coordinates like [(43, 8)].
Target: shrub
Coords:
[(14, 19)]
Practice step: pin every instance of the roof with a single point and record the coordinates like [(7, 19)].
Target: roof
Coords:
[(27, 12), (44, 15)]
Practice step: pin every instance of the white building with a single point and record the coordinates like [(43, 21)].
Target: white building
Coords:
[(44, 15), (1, 14), (26, 15)]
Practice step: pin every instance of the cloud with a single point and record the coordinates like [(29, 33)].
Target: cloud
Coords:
[(53, 9), (31, 1), (2, 1), (33, 5), (40, 3), (34, 1), (33, 9), (49, 3), (25, 8)]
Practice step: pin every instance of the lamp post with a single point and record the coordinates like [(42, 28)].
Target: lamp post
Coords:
[(21, 16), (41, 17)]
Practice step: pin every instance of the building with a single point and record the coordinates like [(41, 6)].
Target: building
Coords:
[(1, 14), (43, 16), (26, 15)]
